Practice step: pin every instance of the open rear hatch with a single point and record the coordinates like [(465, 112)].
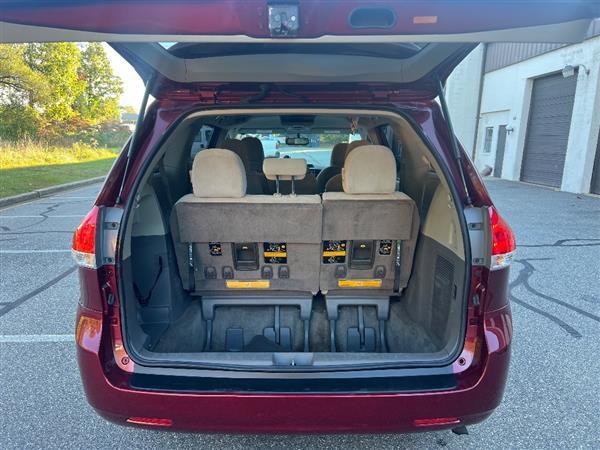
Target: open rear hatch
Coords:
[(180, 48), (410, 43)]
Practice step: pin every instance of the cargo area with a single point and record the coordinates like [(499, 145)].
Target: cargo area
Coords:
[(278, 238)]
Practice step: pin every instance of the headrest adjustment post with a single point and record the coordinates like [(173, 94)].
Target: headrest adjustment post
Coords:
[(277, 193)]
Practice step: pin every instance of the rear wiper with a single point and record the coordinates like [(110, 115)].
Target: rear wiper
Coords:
[(454, 142), (133, 142)]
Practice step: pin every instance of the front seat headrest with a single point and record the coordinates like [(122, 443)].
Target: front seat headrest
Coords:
[(218, 172), (255, 152), (338, 154), (352, 145), (284, 168), (369, 169), (237, 147)]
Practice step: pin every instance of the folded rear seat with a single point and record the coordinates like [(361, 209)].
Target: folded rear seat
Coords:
[(237, 249), (369, 236), (229, 243), (364, 226)]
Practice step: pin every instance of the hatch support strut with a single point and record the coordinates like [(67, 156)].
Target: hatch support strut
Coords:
[(454, 142), (135, 137)]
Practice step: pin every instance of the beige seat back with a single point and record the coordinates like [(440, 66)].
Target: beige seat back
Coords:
[(369, 229), (336, 162), (255, 181), (229, 242)]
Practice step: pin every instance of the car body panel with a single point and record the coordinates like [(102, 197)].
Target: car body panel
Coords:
[(107, 372), (231, 20), (452, 28)]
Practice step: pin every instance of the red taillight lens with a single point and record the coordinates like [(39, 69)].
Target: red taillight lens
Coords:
[(152, 421), (84, 240), (503, 241), (436, 421)]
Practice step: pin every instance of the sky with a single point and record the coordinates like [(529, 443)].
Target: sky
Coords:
[(133, 86)]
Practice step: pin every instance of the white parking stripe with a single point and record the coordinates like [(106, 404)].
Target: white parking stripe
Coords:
[(67, 216), (27, 252), (33, 338)]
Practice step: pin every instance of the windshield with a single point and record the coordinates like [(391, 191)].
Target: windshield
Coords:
[(317, 151)]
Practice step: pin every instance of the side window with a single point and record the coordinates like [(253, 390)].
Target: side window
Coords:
[(392, 142), (487, 143), (201, 140)]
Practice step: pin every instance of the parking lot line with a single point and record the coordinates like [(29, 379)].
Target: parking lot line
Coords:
[(35, 338), (27, 252), (37, 216)]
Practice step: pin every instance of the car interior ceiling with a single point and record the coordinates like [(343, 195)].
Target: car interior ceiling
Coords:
[(234, 254)]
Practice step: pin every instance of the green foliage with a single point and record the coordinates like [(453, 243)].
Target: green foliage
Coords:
[(99, 101), (59, 64), (19, 122), (28, 154), (58, 93), (27, 166), (19, 83), (129, 109)]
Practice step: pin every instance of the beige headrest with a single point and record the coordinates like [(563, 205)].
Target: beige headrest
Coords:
[(217, 172), (369, 169), (284, 168)]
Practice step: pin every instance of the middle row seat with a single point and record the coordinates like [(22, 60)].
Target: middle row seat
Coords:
[(229, 242)]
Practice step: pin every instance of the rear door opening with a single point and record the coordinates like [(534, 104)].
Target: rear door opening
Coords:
[(289, 276), (374, 270)]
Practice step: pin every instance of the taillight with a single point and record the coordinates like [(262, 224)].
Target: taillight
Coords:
[(436, 421), (84, 241), (151, 421), (503, 241)]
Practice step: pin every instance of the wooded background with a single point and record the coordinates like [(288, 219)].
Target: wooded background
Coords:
[(59, 93)]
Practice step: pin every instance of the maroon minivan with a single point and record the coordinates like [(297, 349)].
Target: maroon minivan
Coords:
[(293, 240)]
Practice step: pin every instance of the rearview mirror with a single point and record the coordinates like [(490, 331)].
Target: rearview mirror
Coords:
[(297, 141)]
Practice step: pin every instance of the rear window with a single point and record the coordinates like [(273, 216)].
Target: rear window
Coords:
[(201, 140), (317, 152)]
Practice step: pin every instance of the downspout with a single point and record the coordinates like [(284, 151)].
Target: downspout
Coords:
[(481, 78)]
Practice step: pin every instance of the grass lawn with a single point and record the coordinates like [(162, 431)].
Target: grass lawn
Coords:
[(25, 168)]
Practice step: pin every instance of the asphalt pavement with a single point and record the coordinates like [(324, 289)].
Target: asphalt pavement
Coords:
[(553, 394)]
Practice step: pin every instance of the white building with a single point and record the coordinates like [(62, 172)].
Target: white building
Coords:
[(532, 111)]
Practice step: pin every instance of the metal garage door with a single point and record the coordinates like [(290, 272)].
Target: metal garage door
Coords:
[(548, 129)]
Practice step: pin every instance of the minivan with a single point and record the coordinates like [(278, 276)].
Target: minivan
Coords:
[(293, 239)]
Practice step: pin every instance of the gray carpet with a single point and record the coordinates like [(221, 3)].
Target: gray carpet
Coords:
[(187, 334)]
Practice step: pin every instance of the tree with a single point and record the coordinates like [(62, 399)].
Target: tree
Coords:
[(19, 83), (21, 88), (99, 100), (129, 109), (58, 63)]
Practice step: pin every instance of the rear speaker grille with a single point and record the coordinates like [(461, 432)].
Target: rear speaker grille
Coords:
[(443, 293)]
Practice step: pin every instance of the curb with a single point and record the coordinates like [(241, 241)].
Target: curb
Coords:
[(44, 192)]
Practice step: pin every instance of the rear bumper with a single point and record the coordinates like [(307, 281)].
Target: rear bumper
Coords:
[(479, 391)]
